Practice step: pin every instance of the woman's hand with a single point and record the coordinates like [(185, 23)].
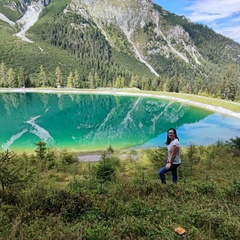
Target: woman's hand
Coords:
[(168, 165)]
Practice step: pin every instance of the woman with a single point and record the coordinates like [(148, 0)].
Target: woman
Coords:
[(174, 159)]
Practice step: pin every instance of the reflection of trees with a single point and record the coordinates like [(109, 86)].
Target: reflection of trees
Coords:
[(99, 119), (23, 99), (44, 98), (12, 101), (78, 98), (60, 102), (72, 97), (14, 98), (6, 103)]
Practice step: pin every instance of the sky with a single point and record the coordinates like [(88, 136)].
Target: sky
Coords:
[(223, 16)]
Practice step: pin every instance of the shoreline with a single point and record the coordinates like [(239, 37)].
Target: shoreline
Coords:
[(92, 156), (120, 92)]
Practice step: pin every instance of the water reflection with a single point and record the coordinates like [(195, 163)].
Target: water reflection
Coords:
[(90, 122), (209, 130)]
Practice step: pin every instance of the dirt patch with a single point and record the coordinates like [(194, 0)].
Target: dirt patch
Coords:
[(97, 157), (89, 158)]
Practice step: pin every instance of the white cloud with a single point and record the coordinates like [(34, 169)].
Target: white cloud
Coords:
[(213, 8), (223, 16), (231, 32), (237, 19), (205, 17)]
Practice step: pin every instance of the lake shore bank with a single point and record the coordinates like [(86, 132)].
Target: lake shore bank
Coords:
[(132, 92)]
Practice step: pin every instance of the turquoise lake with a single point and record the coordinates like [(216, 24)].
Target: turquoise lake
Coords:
[(84, 122)]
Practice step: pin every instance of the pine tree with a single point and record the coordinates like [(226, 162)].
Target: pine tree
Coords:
[(228, 85), (181, 83), (122, 81), (97, 80), (175, 84), (133, 82), (104, 82), (41, 149), (154, 84), (91, 81), (70, 80), (145, 83), (28, 81), (2, 75), (168, 85), (21, 77), (58, 75), (117, 82), (9, 172), (197, 85), (42, 78), (223, 90), (11, 78), (232, 89), (76, 79)]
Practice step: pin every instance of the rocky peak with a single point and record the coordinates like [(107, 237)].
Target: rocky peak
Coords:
[(131, 16), (23, 5)]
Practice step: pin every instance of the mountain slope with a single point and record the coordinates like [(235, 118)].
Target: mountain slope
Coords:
[(141, 25), (121, 43)]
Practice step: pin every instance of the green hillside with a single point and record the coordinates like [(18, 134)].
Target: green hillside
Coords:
[(71, 50), (52, 49)]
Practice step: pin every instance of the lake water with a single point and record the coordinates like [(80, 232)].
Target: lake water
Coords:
[(83, 122)]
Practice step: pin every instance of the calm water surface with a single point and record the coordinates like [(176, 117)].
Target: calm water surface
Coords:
[(93, 122), (210, 129)]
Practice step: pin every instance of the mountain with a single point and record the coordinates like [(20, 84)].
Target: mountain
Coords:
[(113, 43)]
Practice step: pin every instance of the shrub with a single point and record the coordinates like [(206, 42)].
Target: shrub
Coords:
[(11, 170), (68, 158), (157, 157), (235, 144), (105, 169), (63, 203), (205, 187)]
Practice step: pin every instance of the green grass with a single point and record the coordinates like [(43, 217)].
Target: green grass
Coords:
[(9, 13), (70, 202)]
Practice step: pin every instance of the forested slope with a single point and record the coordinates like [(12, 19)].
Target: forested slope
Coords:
[(86, 48)]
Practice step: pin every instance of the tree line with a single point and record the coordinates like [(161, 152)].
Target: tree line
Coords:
[(225, 87)]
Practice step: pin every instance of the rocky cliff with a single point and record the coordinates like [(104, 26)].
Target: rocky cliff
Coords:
[(136, 20)]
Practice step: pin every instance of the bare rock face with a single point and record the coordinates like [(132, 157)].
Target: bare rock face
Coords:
[(125, 13), (130, 17), (23, 5), (132, 26)]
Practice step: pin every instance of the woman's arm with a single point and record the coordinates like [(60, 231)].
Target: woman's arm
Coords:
[(174, 153)]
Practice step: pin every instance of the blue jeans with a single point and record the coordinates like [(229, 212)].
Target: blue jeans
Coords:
[(173, 169)]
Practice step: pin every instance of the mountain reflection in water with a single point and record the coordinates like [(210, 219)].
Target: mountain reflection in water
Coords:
[(83, 122)]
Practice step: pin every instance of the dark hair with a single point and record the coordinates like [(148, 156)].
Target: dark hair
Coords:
[(175, 133)]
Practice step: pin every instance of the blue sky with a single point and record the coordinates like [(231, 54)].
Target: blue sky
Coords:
[(223, 16)]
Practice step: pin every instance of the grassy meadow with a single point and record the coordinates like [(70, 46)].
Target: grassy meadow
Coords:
[(51, 195)]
